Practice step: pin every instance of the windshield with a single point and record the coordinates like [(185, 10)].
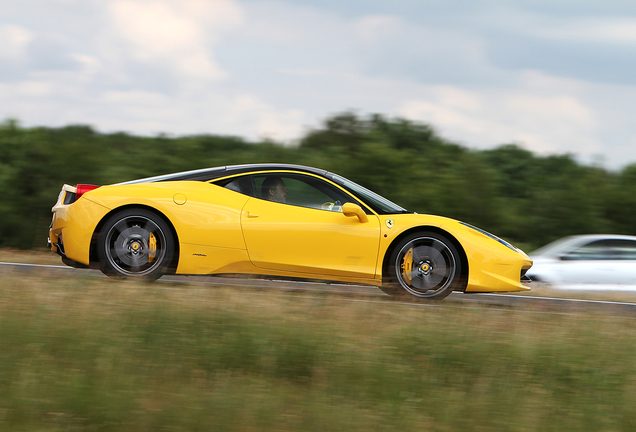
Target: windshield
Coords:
[(554, 248), (378, 203)]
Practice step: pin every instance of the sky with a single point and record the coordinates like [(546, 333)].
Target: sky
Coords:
[(554, 77)]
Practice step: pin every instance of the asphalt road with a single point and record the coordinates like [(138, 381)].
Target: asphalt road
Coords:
[(352, 292)]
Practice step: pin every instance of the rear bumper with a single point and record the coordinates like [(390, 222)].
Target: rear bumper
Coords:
[(72, 229)]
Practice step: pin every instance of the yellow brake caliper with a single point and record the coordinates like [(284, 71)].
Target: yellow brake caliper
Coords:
[(407, 266), (152, 247)]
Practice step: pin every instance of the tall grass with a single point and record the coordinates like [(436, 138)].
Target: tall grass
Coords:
[(93, 354)]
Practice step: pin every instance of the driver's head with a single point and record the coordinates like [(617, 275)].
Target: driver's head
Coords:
[(273, 189)]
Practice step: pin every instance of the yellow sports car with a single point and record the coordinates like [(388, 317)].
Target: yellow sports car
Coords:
[(285, 221)]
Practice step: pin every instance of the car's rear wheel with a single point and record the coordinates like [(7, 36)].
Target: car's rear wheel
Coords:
[(135, 243), (425, 265)]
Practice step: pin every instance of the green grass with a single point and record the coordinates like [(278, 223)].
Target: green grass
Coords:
[(103, 355)]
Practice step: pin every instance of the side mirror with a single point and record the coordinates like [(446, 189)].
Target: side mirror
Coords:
[(351, 209)]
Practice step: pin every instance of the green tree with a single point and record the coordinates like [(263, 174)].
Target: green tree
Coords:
[(527, 199)]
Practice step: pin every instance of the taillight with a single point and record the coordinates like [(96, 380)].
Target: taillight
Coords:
[(83, 188)]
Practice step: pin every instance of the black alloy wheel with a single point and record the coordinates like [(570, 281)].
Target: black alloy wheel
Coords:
[(136, 243), (425, 265)]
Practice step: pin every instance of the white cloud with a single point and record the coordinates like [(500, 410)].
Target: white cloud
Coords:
[(554, 121), (459, 98), (375, 27), (154, 28), (177, 34), (266, 120), (270, 68), (607, 30), (13, 41)]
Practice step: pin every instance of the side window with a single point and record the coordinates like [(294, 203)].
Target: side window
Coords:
[(299, 190), (240, 184), (606, 250), (621, 249)]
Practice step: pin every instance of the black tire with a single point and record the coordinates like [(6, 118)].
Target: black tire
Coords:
[(136, 243), (425, 265)]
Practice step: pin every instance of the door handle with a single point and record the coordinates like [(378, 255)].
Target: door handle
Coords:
[(251, 215)]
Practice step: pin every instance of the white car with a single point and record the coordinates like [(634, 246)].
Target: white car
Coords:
[(586, 259)]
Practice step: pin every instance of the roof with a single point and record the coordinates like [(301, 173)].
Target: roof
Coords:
[(208, 174)]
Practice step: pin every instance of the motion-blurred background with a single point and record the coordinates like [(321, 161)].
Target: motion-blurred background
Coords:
[(514, 116), (527, 199)]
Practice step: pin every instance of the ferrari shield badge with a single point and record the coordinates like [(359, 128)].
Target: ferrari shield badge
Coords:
[(389, 223)]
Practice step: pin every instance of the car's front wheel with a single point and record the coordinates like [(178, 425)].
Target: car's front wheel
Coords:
[(135, 243), (425, 265)]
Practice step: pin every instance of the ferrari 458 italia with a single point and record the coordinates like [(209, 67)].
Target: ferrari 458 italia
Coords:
[(275, 220)]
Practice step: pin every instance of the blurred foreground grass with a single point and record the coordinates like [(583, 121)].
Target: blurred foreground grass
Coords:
[(105, 355)]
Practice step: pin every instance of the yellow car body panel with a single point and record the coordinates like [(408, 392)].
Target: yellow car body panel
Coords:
[(73, 227), (193, 212), (201, 213), (220, 230), (199, 259), (493, 267), (309, 240)]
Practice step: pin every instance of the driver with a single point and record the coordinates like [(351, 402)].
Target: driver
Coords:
[(273, 189)]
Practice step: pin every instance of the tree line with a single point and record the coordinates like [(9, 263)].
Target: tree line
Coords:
[(527, 199)]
